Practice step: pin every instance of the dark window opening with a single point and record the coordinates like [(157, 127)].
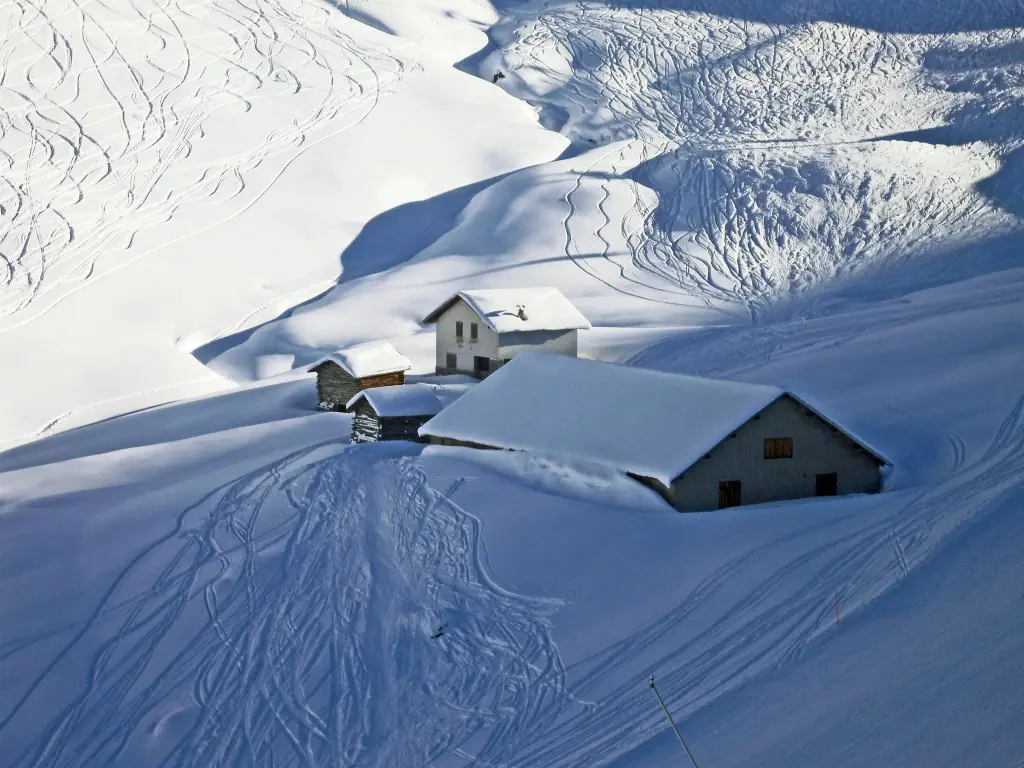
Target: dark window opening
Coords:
[(729, 494), (458, 329), (826, 485), (473, 331), (778, 447), (451, 361), (481, 364)]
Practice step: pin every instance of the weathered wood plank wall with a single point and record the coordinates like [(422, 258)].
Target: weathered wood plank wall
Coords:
[(334, 387)]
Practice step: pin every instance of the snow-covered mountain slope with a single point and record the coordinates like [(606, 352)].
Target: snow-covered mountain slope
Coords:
[(173, 172), (731, 163), (196, 200), (227, 582), (787, 147)]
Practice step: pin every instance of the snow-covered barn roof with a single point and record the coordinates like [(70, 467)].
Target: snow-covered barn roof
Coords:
[(545, 309), (410, 399), (373, 358), (645, 422)]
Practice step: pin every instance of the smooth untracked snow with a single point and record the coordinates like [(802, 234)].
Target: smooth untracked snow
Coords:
[(197, 201)]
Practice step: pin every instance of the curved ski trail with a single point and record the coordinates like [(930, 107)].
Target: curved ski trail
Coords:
[(288, 620)]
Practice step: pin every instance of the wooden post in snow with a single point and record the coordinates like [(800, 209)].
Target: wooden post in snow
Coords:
[(672, 723)]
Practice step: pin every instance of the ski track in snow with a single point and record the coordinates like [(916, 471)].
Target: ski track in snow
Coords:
[(103, 103), (287, 621), (773, 623), (766, 144)]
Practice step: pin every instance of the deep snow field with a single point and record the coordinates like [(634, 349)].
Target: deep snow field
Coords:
[(199, 199)]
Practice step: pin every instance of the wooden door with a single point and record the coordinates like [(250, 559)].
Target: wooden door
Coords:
[(729, 494), (826, 485)]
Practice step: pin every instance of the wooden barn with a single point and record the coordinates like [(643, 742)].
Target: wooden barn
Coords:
[(701, 443), (341, 375), (397, 412)]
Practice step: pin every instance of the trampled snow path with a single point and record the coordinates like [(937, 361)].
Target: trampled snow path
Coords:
[(93, 151), (287, 621)]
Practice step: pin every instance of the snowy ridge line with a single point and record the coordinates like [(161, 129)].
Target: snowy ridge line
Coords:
[(288, 622), (47, 244), (760, 632), (49, 426)]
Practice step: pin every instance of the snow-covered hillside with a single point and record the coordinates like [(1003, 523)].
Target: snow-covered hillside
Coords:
[(174, 172), (199, 199)]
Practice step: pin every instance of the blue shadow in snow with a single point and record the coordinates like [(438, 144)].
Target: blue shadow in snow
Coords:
[(387, 240), (908, 16)]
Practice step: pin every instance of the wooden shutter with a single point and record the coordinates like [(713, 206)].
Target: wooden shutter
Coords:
[(778, 448)]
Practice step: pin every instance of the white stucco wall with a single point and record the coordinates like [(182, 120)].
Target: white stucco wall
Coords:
[(817, 449), (486, 344), (555, 342), (489, 344)]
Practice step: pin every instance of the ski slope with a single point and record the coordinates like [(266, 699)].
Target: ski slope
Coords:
[(246, 586), (726, 165), (174, 172), (199, 200)]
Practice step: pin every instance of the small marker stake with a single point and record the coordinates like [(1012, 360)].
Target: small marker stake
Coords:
[(837, 608), (672, 723)]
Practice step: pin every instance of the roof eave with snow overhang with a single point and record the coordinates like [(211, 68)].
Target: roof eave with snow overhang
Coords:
[(399, 400), (547, 309), (643, 437), (374, 358)]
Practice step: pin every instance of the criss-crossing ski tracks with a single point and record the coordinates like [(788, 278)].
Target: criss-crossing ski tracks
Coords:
[(756, 630), (105, 112), (292, 619), (767, 146)]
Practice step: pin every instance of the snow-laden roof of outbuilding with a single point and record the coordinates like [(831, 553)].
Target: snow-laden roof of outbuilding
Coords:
[(543, 309), (410, 399), (370, 359), (645, 422)]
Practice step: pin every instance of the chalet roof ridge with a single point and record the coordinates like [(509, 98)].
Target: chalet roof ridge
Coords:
[(610, 422), (371, 358), (543, 308), (417, 399), (410, 399)]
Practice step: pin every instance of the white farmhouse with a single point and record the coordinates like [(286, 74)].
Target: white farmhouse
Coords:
[(479, 331)]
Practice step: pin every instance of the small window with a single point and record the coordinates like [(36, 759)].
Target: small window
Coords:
[(451, 361), (826, 485), (473, 331), (458, 329), (778, 447), (729, 494), (481, 364)]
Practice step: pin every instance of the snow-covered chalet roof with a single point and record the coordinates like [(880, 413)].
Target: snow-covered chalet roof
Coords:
[(370, 359), (640, 421), (545, 309), (410, 399)]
